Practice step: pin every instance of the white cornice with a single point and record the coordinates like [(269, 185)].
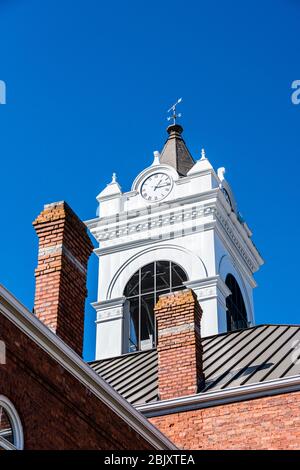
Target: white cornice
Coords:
[(235, 232), (108, 310), (240, 261), (98, 223), (144, 220), (129, 194), (221, 397), (130, 235), (116, 248), (205, 172), (208, 283), (29, 324), (107, 304), (126, 230), (243, 231)]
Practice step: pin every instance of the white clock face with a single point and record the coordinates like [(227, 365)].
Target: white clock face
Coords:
[(156, 187)]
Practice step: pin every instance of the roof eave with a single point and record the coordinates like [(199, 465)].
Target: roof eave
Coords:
[(221, 397)]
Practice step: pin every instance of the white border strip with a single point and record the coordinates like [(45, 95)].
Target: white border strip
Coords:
[(221, 397), (67, 358)]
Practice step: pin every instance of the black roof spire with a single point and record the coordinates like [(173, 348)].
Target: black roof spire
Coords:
[(175, 153)]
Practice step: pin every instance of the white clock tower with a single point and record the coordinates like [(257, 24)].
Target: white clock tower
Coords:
[(177, 228)]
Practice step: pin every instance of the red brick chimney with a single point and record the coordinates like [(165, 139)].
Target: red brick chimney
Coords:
[(179, 346), (64, 250)]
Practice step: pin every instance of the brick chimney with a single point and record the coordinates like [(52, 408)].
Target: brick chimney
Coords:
[(64, 250), (179, 346)]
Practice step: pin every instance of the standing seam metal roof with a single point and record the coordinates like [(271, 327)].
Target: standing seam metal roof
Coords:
[(249, 356)]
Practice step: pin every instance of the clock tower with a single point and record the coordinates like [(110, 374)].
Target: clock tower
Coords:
[(178, 227)]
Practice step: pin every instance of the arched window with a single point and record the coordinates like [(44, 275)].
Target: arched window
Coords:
[(142, 292), (11, 432), (236, 310)]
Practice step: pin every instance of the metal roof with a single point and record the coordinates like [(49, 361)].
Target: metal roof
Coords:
[(250, 356), (175, 152)]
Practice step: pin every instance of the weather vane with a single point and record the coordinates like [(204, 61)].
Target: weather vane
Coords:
[(174, 116)]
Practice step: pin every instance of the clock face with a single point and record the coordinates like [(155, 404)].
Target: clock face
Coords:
[(156, 187)]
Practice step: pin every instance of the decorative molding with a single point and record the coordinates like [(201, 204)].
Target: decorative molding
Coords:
[(116, 313), (238, 260), (171, 235), (153, 221), (208, 288), (241, 228), (108, 310), (31, 326), (236, 240), (175, 222), (107, 304), (95, 224)]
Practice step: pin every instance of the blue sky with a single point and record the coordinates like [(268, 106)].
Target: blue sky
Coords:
[(88, 86)]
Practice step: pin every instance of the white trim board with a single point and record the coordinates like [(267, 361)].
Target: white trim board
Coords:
[(221, 397)]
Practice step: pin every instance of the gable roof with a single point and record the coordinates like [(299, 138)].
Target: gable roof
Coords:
[(243, 357)]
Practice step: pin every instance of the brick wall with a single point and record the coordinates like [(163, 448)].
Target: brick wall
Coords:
[(263, 423), (64, 250), (57, 411), (179, 346)]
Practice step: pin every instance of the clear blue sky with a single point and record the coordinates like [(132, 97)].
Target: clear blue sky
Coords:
[(88, 84)]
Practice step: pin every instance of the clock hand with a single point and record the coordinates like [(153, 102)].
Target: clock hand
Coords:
[(157, 184)]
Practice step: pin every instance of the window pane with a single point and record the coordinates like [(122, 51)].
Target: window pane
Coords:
[(6, 431), (147, 278), (178, 276), (133, 285), (142, 292), (236, 310), (162, 275), (229, 326), (147, 321), (134, 324)]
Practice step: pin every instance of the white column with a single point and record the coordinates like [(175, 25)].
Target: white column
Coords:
[(109, 327), (211, 293)]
